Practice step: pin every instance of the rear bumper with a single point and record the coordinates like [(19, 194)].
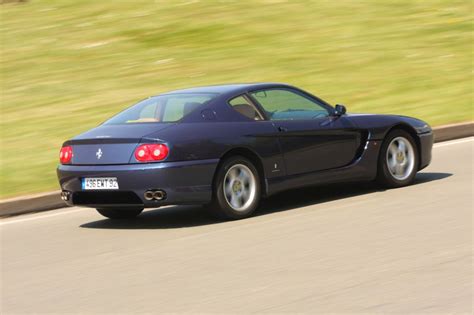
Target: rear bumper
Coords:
[(186, 182), (426, 146)]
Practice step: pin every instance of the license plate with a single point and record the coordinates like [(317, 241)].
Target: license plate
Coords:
[(99, 183)]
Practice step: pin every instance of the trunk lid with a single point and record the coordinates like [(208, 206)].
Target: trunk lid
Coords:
[(111, 144)]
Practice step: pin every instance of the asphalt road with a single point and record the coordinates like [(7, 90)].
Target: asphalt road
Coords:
[(339, 249)]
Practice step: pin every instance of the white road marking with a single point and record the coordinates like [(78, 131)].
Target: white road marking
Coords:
[(37, 216), (48, 215), (446, 143)]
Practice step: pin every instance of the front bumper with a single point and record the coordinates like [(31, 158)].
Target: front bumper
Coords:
[(426, 146), (185, 182)]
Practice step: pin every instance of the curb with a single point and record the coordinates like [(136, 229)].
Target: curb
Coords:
[(31, 203), (52, 200), (454, 131)]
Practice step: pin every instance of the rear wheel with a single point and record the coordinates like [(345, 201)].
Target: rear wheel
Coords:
[(236, 189), (120, 213), (398, 160)]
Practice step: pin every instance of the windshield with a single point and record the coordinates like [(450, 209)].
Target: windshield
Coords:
[(164, 108)]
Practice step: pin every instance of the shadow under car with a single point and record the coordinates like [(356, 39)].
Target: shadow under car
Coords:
[(188, 216)]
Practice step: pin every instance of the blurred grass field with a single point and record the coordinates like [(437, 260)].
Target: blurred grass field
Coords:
[(66, 66)]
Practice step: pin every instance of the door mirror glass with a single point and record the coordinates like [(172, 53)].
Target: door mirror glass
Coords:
[(340, 110)]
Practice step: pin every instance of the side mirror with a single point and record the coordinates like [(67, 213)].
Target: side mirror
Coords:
[(340, 110)]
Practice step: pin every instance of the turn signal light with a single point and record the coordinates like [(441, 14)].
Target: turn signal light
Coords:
[(65, 155), (151, 152)]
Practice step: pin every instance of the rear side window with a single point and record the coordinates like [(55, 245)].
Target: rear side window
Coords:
[(241, 105), (164, 108)]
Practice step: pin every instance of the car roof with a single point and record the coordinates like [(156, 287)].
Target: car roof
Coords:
[(228, 89)]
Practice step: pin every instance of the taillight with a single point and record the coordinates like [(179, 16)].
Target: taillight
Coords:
[(65, 155), (151, 152)]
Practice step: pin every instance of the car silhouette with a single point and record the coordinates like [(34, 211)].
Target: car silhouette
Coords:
[(228, 146)]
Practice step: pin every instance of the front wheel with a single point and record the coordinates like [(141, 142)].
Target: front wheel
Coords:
[(398, 160), (236, 189), (120, 213)]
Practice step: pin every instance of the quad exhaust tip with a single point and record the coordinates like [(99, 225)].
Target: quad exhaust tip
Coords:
[(156, 194)]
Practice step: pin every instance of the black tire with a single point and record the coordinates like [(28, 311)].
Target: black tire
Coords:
[(120, 213), (220, 206), (384, 175)]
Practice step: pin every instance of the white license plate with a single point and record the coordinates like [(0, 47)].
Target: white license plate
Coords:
[(98, 183)]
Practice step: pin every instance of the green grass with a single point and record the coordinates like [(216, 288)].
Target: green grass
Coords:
[(68, 65)]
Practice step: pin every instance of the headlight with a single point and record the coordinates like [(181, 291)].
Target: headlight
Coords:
[(423, 129)]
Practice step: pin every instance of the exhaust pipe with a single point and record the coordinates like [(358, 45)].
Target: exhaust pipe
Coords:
[(159, 195), (65, 195), (155, 195), (148, 195)]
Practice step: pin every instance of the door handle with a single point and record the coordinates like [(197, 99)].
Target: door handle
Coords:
[(282, 129)]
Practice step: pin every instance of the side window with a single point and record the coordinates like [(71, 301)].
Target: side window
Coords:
[(241, 105), (288, 105)]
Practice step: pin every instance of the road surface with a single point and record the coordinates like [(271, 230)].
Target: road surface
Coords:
[(338, 249)]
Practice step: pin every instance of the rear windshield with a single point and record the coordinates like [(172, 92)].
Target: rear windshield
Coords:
[(163, 108)]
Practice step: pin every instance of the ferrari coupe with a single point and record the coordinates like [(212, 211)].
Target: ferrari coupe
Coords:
[(229, 146)]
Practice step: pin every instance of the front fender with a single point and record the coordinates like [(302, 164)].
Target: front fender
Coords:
[(379, 125)]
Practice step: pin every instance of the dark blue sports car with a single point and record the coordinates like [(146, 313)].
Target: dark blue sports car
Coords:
[(227, 146)]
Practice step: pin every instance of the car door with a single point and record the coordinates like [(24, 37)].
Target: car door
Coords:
[(311, 138)]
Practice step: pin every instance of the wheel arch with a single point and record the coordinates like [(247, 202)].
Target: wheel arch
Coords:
[(412, 132), (252, 156)]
